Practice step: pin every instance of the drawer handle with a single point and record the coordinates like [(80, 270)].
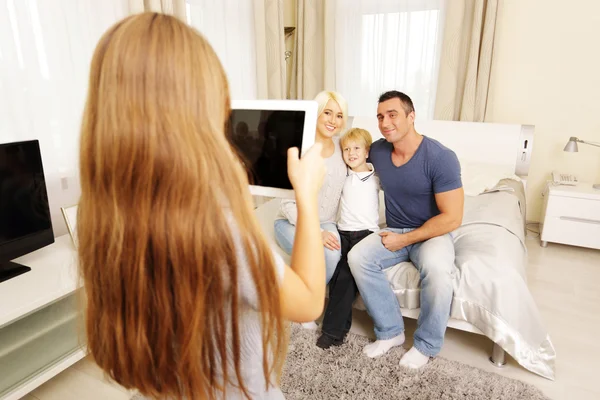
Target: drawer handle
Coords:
[(575, 219)]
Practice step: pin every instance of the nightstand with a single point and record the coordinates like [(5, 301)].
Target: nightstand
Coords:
[(571, 215)]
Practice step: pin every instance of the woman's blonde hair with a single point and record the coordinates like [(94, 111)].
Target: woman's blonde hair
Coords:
[(357, 135), (323, 98), (161, 186)]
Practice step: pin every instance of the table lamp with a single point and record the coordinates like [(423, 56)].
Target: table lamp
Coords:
[(571, 147)]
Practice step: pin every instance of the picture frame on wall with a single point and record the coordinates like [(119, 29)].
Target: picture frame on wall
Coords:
[(70, 216)]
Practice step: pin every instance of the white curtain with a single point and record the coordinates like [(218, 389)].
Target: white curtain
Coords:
[(383, 45), (229, 27), (45, 52), (176, 8)]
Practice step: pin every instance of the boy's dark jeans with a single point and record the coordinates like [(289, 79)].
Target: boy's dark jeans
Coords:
[(342, 289)]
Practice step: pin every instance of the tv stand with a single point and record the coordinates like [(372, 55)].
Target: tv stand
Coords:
[(11, 269), (40, 319)]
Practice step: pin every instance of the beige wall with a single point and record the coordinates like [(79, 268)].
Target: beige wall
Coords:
[(546, 72)]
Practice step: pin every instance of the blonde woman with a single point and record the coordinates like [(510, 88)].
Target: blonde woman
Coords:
[(185, 298), (333, 114)]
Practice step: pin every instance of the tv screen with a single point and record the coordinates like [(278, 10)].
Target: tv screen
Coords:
[(25, 223)]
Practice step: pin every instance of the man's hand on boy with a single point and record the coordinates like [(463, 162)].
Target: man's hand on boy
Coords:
[(330, 240), (393, 241)]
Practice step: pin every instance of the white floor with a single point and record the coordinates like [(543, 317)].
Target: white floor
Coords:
[(565, 282)]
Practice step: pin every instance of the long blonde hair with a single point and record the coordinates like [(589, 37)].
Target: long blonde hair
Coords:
[(160, 186)]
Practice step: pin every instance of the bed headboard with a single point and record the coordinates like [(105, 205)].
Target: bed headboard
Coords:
[(474, 142)]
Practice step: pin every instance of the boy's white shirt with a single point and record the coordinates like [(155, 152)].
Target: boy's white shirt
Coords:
[(359, 205)]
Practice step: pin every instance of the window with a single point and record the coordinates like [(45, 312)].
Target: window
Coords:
[(229, 27), (383, 45), (45, 53)]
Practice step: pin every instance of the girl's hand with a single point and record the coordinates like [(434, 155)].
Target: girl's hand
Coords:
[(306, 174)]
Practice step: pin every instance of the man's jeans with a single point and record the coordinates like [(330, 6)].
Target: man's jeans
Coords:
[(434, 259), (285, 233)]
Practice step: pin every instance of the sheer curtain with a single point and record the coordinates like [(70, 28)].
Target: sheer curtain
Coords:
[(382, 45), (45, 52), (229, 27), (176, 8)]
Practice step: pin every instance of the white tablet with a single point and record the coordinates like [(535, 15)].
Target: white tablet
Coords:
[(262, 131)]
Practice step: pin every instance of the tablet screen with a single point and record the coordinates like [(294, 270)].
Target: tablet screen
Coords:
[(262, 138)]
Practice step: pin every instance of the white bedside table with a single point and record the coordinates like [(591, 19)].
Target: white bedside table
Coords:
[(571, 215)]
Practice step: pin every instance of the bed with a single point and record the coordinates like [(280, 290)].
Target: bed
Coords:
[(491, 296)]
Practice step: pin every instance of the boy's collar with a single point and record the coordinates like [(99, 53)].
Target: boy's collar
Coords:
[(363, 174)]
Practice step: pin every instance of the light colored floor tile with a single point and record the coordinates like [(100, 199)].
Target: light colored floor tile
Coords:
[(73, 384), (89, 367)]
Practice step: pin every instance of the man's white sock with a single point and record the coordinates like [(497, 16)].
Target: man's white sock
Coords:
[(310, 325), (380, 347), (414, 359)]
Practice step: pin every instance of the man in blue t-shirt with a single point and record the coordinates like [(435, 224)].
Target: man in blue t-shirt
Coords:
[(424, 202)]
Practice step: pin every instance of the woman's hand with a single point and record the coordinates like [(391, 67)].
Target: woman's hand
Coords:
[(330, 241), (307, 173)]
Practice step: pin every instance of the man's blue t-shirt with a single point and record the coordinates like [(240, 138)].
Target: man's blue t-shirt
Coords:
[(410, 188)]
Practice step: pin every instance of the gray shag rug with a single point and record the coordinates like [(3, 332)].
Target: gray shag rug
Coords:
[(344, 372)]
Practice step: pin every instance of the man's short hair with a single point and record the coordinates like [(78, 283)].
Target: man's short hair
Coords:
[(407, 103), (357, 135)]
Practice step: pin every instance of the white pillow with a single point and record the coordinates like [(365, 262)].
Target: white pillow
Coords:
[(479, 177)]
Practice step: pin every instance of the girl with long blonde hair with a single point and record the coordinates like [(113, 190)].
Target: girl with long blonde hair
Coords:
[(184, 296)]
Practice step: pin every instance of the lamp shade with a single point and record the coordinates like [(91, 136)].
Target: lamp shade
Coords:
[(571, 146)]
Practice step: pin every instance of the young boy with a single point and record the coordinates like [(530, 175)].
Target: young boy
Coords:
[(359, 217)]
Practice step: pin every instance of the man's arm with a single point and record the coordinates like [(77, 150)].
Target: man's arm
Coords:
[(450, 204)]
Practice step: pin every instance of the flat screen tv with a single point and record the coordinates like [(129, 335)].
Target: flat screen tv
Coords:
[(25, 223)]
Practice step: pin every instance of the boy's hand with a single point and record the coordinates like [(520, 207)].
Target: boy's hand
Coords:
[(330, 241), (393, 241)]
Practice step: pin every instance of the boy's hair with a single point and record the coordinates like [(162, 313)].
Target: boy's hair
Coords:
[(359, 135)]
